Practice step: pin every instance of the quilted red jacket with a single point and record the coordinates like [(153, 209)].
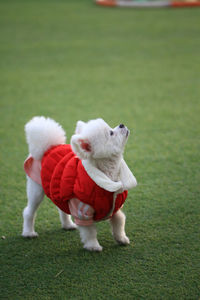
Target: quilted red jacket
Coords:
[(64, 177)]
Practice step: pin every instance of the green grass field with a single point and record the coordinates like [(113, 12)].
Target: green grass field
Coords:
[(72, 60)]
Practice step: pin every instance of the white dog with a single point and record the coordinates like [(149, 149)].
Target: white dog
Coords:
[(88, 179)]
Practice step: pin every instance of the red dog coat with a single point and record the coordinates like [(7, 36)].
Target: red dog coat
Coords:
[(64, 177)]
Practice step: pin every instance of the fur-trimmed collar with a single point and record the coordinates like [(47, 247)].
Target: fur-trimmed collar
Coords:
[(126, 182)]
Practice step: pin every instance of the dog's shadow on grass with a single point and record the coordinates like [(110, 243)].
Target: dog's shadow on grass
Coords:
[(62, 243)]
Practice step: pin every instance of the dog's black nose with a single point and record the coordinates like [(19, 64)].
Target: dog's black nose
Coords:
[(121, 126)]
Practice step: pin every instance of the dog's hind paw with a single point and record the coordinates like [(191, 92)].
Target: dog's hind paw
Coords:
[(90, 246), (31, 234), (71, 226)]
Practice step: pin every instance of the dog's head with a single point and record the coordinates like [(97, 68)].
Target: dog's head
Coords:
[(95, 139)]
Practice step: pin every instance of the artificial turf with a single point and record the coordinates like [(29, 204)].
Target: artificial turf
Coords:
[(72, 60)]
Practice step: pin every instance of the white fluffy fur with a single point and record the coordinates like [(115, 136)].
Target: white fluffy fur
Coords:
[(41, 134), (97, 134), (102, 153)]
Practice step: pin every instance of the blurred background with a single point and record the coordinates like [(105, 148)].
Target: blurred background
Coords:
[(73, 60)]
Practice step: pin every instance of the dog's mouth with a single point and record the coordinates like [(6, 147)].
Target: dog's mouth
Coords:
[(127, 132)]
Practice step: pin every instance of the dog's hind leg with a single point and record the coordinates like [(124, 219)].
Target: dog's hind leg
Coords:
[(89, 238), (118, 228), (66, 221), (35, 195)]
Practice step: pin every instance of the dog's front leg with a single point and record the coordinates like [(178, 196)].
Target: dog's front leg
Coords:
[(89, 238), (118, 228)]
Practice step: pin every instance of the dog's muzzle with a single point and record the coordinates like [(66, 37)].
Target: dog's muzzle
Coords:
[(124, 129)]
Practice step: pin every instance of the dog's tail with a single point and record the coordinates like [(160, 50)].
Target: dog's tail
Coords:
[(43, 133)]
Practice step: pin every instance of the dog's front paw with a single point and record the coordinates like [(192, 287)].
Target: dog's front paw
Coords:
[(29, 234), (123, 240), (93, 246)]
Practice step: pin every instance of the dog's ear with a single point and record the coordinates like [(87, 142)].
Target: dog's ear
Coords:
[(81, 146), (79, 127)]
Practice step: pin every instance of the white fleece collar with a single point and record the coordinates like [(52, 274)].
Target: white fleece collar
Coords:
[(127, 179)]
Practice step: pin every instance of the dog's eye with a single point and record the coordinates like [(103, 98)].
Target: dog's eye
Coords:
[(111, 132)]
